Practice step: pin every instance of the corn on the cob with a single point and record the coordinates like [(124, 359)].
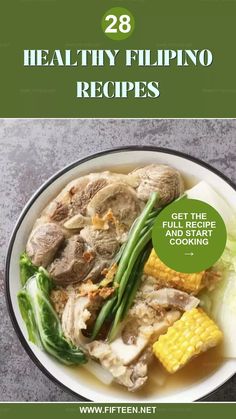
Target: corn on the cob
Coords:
[(193, 334), (191, 283)]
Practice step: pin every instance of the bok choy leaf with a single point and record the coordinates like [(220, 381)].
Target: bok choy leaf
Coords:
[(27, 268), (43, 325), (27, 314)]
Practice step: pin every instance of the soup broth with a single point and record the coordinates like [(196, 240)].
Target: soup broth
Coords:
[(160, 382)]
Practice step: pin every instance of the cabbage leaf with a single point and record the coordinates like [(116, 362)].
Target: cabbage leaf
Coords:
[(43, 325)]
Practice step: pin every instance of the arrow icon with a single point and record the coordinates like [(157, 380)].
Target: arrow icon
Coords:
[(189, 254)]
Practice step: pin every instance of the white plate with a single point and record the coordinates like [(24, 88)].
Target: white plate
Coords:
[(70, 378)]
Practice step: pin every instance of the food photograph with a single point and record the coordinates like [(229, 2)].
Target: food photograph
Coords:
[(89, 310)]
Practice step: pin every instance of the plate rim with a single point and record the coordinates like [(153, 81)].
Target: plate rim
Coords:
[(27, 207)]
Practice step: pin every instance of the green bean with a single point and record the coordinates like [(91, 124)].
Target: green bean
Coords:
[(134, 237), (113, 330), (131, 289), (147, 227), (103, 314), (154, 213), (153, 216), (120, 253), (121, 308), (136, 252), (138, 279)]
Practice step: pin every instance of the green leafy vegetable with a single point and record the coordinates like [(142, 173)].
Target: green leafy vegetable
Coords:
[(28, 316), (43, 325), (27, 268)]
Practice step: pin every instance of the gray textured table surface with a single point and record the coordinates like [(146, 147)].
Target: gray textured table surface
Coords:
[(31, 151)]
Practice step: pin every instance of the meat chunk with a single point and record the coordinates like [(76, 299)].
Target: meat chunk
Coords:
[(130, 331), (77, 313), (96, 273), (159, 178), (171, 297), (121, 200), (139, 373), (153, 322), (128, 352), (80, 201), (75, 196), (131, 376), (77, 221), (43, 243), (147, 286), (66, 215), (59, 211), (103, 242), (73, 262), (126, 356), (73, 200)]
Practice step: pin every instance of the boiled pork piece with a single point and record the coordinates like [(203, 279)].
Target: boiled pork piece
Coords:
[(121, 200), (128, 362), (171, 297), (79, 310), (139, 374), (129, 350), (73, 263), (74, 197), (67, 214), (77, 221), (43, 243), (103, 242), (132, 376), (159, 178)]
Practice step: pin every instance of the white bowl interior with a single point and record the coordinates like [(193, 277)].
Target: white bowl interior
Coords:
[(76, 379)]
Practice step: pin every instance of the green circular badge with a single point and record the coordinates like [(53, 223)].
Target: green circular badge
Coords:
[(118, 23), (189, 235)]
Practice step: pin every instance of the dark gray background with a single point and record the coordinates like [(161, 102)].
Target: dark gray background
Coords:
[(33, 150)]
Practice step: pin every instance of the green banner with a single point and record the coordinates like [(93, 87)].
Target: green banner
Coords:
[(199, 84), (87, 410)]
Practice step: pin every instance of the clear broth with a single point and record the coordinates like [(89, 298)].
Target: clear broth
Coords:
[(160, 382)]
